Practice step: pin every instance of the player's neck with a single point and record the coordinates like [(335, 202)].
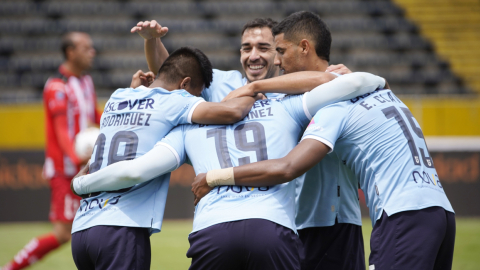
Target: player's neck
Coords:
[(73, 69), (164, 85), (317, 64)]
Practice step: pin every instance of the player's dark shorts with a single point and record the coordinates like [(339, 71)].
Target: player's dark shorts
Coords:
[(245, 244), (63, 203), (112, 247), (334, 247), (420, 239)]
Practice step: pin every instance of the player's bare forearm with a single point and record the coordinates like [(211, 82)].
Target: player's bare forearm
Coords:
[(155, 53), (268, 172), (277, 171), (214, 113), (293, 83)]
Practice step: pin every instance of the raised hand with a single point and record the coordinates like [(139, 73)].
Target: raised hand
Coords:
[(200, 188), (340, 69), (149, 29), (142, 78)]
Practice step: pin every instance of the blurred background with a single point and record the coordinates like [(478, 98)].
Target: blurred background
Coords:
[(427, 50)]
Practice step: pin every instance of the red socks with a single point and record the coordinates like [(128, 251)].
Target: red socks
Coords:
[(33, 252)]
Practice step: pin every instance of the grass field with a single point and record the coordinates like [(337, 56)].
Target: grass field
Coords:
[(170, 246)]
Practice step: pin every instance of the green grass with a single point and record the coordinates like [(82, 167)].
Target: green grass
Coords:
[(170, 246)]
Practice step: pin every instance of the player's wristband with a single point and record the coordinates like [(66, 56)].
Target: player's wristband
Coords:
[(223, 177)]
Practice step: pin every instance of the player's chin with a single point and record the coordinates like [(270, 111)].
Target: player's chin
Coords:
[(255, 76)]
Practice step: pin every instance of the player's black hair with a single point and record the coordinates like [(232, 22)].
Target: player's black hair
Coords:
[(67, 42), (187, 62), (305, 24), (260, 23)]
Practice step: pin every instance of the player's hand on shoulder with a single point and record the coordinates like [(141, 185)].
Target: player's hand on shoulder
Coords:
[(200, 188), (339, 69), (149, 29), (244, 91), (82, 172), (142, 78)]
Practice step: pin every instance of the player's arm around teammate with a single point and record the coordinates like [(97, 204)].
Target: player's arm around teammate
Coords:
[(161, 160), (265, 173)]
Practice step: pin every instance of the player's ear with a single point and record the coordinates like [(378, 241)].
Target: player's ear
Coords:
[(185, 83), (304, 46)]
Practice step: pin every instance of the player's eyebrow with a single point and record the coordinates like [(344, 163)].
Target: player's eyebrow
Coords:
[(261, 44)]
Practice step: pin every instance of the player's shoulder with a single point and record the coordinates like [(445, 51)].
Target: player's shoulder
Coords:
[(56, 82), (227, 73)]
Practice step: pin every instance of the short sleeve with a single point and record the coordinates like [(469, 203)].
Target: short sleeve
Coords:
[(295, 107), (55, 97), (223, 83), (181, 106), (174, 141), (327, 125)]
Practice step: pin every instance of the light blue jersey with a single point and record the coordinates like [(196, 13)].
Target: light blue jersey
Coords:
[(270, 131), (327, 192), (225, 82), (378, 138), (132, 122)]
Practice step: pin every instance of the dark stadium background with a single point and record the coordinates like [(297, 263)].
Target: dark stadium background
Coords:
[(427, 51)]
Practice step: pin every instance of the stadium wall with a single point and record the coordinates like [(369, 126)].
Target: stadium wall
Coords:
[(24, 195)]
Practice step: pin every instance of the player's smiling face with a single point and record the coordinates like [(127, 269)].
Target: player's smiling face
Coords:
[(288, 56), (258, 54)]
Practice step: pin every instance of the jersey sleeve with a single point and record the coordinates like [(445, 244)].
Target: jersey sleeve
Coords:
[(175, 142), (295, 107), (327, 125), (55, 97), (223, 82), (181, 107), (343, 88)]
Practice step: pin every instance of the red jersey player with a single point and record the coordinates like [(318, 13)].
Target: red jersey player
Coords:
[(70, 106)]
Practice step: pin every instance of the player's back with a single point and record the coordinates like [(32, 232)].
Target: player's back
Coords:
[(132, 122), (383, 144), (270, 131)]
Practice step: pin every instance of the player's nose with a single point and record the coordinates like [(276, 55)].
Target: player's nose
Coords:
[(254, 55)]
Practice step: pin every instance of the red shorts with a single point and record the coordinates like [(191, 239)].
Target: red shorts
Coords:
[(63, 203)]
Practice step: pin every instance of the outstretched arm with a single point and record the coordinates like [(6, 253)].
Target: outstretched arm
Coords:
[(343, 88), (264, 173), (158, 161), (293, 83), (155, 52), (228, 112)]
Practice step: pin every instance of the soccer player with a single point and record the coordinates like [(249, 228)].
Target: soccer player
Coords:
[(266, 214), (328, 214), (378, 138), (70, 106), (111, 229)]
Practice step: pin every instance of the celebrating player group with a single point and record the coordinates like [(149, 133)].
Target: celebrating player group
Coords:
[(278, 159)]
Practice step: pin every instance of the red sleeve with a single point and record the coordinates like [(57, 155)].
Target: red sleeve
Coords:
[(56, 103), (55, 97), (61, 132)]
